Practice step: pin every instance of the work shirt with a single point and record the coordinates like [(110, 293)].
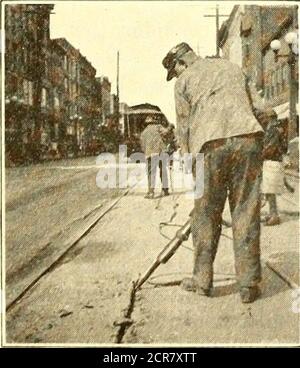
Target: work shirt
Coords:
[(212, 103), (151, 140)]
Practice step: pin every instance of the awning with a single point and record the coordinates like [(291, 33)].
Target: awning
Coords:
[(283, 111), (144, 111)]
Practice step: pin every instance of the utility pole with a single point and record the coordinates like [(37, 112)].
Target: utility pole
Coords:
[(118, 88), (217, 15), (118, 93), (118, 72)]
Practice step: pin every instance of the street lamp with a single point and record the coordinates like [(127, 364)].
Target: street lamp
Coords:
[(275, 46), (291, 39)]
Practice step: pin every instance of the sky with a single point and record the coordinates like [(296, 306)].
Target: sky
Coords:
[(143, 32)]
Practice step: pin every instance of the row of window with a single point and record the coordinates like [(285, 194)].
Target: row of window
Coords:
[(277, 81), (71, 87), (28, 95), (25, 26), (72, 67), (28, 92)]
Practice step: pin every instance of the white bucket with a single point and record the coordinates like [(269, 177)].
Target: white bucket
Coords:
[(273, 175)]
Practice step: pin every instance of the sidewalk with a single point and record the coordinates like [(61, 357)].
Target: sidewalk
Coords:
[(80, 300)]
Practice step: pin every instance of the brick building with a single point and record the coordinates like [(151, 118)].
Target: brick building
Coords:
[(87, 108), (230, 40), (54, 104), (106, 98), (251, 29), (60, 97), (260, 25), (245, 39), (27, 45), (69, 66)]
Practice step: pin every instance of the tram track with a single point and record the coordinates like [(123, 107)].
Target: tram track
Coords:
[(61, 245), (67, 248)]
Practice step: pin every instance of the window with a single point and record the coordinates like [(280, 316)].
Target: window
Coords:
[(25, 90), (278, 80), (73, 72), (66, 84), (285, 72), (56, 102), (28, 92), (25, 55), (271, 91), (55, 99), (267, 93), (65, 62), (273, 81), (44, 97), (283, 77), (74, 90), (46, 68)]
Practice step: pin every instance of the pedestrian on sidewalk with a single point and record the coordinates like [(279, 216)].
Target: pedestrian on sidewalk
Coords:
[(169, 139), (154, 148), (214, 117), (273, 172)]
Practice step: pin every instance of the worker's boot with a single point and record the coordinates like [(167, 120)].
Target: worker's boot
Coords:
[(190, 284), (249, 294), (149, 195), (165, 192), (273, 220)]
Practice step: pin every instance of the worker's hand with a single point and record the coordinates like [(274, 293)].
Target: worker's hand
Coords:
[(183, 149)]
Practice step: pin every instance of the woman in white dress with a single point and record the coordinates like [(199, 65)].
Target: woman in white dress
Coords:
[(273, 171)]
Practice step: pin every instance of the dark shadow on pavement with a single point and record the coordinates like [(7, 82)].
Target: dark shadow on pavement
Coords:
[(270, 285)]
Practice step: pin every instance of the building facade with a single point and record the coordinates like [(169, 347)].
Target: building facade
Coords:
[(253, 28), (53, 101), (87, 108), (55, 106), (71, 87), (106, 98), (27, 86), (60, 97), (230, 40)]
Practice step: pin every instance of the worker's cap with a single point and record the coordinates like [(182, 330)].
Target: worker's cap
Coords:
[(172, 56)]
